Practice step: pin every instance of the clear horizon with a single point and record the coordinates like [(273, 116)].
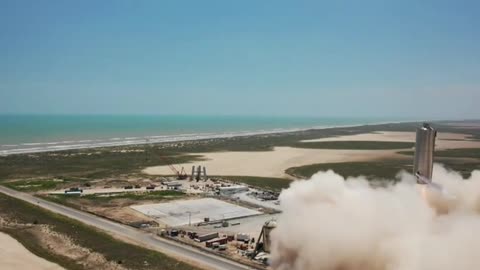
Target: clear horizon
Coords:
[(412, 60), (382, 119)]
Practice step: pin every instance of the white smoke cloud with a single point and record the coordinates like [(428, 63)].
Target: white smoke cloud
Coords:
[(329, 223)]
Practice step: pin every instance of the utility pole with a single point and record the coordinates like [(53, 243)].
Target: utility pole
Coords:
[(189, 218)]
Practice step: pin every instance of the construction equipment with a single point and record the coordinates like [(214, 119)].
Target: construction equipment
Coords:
[(181, 175)]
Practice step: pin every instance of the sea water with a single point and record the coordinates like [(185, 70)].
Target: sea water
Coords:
[(37, 133)]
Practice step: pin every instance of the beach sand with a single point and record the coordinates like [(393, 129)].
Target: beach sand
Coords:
[(272, 163), (14, 256)]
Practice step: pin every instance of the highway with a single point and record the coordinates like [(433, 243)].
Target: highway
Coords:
[(177, 250)]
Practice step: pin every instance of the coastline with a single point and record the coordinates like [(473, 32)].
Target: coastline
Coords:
[(33, 147), (255, 155)]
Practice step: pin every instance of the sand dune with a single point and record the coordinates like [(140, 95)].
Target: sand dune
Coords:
[(14, 256)]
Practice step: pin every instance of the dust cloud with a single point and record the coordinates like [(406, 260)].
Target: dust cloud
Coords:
[(332, 223)]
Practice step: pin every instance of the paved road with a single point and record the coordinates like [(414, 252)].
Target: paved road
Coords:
[(142, 238)]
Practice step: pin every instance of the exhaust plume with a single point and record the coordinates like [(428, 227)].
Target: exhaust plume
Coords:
[(332, 223)]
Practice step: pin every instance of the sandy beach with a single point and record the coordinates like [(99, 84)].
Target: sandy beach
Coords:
[(14, 256), (274, 163)]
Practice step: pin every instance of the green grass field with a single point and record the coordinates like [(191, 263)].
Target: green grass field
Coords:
[(34, 185), (459, 160), (460, 153), (130, 256), (86, 164), (373, 170), (453, 153), (386, 169)]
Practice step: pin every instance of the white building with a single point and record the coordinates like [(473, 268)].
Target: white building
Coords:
[(173, 185), (227, 191)]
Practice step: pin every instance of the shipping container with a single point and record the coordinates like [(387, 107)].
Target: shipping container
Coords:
[(206, 237), (220, 241)]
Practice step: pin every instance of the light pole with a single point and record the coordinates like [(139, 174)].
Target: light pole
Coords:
[(189, 218)]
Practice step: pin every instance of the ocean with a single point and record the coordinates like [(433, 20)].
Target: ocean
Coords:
[(38, 133)]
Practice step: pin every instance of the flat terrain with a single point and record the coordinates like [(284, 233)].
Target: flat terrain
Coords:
[(273, 163), (95, 163), (183, 212), (266, 161), (116, 206), (445, 140), (383, 148), (383, 169), (256, 160), (354, 144), (293, 149), (82, 228), (87, 164), (72, 244)]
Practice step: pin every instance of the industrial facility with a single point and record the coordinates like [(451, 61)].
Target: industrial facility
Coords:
[(226, 217)]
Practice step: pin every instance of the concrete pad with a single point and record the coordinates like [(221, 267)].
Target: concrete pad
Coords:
[(177, 213)]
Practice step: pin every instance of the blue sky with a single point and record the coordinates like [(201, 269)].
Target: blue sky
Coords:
[(412, 59)]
